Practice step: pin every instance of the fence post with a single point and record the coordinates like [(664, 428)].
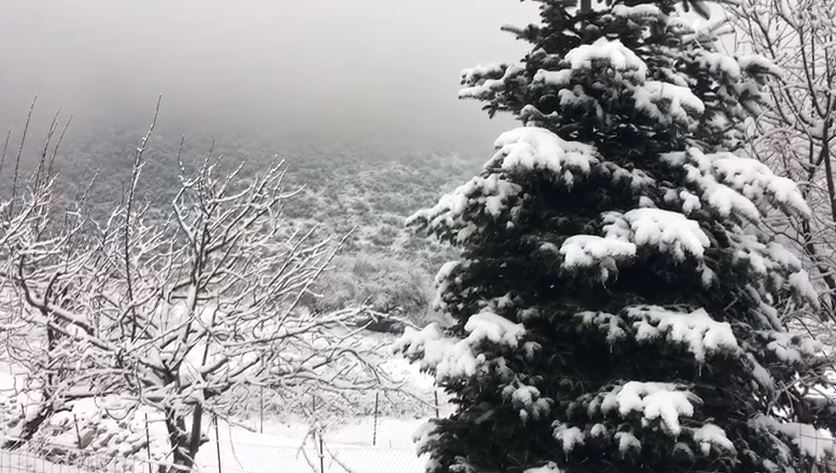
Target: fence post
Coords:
[(374, 429), (321, 455), (148, 443), (77, 432), (261, 410), (218, 444), (318, 435)]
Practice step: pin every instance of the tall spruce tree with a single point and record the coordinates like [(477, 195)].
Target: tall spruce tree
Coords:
[(617, 304)]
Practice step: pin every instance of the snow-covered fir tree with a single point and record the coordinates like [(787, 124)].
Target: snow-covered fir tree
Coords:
[(617, 304)]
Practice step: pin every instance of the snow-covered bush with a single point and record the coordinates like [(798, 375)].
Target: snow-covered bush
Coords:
[(616, 302)]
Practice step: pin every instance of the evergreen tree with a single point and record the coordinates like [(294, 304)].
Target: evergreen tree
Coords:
[(618, 305)]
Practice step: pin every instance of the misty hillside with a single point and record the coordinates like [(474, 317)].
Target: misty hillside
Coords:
[(341, 190)]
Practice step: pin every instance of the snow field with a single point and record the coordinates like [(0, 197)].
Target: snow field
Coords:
[(291, 448)]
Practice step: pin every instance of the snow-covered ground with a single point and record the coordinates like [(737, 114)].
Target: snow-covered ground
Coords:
[(289, 448), (350, 445)]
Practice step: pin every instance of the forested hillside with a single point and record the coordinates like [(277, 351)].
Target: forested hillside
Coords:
[(340, 191)]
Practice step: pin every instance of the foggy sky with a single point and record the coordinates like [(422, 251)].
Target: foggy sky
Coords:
[(369, 71)]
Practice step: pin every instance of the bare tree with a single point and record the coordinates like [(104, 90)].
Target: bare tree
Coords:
[(175, 311), (797, 129)]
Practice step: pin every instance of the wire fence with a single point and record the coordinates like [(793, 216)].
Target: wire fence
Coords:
[(28, 462), (248, 459), (342, 459), (228, 448)]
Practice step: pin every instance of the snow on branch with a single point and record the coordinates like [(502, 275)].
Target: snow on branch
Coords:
[(756, 64), (696, 330), (711, 436), (612, 53), (450, 358), (587, 251), (644, 10), (666, 231), (813, 443), (454, 214), (756, 181), (665, 402), (729, 183), (792, 348), (483, 82), (175, 313), (531, 148), (668, 103), (494, 194), (625, 233)]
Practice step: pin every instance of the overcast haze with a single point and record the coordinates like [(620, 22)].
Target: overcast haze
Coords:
[(372, 71)]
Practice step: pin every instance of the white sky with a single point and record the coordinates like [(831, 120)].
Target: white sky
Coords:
[(368, 70)]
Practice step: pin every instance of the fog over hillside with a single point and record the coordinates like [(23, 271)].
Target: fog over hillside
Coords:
[(369, 72)]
